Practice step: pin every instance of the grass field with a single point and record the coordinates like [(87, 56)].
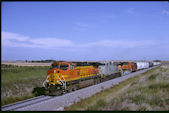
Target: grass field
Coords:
[(148, 91), (17, 82)]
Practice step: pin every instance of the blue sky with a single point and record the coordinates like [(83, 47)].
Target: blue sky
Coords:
[(85, 30)]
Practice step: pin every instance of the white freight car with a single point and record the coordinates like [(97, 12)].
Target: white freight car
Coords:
[(156, 63), (146, 65), (142, 65)]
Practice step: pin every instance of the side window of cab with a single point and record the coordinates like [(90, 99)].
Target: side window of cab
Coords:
[(54, 66), (64, 67), (71, 67)]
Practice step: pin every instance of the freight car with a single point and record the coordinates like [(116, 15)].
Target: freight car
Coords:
[(133, 66), (156, 63), (139, 65), (146, 65), (142, 65)]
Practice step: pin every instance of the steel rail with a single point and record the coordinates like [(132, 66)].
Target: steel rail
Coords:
[(24, 103)]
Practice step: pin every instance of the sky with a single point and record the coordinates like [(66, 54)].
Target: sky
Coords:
[(85, 31)]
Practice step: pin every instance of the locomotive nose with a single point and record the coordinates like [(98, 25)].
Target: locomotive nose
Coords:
[(53, 78)]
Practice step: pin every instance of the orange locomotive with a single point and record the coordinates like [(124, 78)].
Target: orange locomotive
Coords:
[(62, 75), (127, 67)]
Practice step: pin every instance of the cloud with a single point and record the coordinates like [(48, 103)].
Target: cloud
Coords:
[(165, 12), (17, 40), (120, 43), (51, 42)]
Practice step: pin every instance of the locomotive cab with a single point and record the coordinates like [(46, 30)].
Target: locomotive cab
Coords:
[(57, 73)]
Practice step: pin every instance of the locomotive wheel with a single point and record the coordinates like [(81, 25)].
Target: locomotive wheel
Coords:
[(105, 79), (95, 81), (98, 80), (75, 88), (67, 91), (70, 90), (55, 93)]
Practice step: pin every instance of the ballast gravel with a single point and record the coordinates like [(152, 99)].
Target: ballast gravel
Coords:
[(59, 102)]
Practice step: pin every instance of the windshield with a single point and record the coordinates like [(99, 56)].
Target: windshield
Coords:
[(125, 63), (102, 64), (54, 66), (64, 67)]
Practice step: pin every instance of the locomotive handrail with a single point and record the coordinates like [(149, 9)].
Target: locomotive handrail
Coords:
[(45, 81), (121, 70), (63, 83)]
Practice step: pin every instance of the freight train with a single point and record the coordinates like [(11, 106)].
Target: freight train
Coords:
[(65, 76)]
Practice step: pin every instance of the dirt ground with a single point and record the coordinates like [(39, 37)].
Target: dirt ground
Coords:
[(26, 63)]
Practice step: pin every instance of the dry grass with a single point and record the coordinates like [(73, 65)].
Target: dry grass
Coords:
[(26, 64), (148, 91)]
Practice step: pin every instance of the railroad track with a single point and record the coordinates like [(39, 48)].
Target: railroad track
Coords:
[(24, 103)]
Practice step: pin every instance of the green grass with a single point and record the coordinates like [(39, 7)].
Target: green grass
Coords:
[(152, 77), (13, 74), (148, 91), (17, 82)]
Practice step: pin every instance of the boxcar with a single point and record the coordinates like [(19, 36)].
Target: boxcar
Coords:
[(133, 66)]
